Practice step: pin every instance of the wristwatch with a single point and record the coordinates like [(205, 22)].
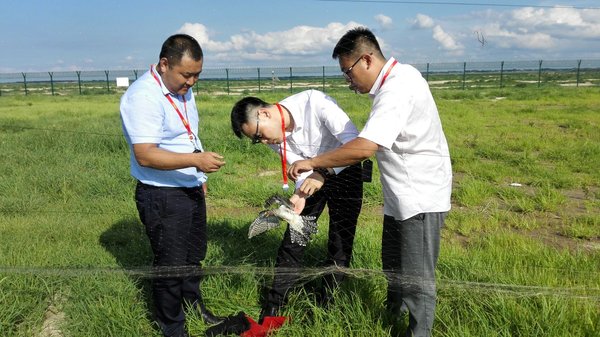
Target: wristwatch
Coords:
[(324, 172)]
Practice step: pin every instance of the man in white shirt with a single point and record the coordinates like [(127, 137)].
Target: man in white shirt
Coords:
[(405, 133), (160, 123), (302, 126)]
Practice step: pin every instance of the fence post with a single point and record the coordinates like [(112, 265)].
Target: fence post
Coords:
[(323, 78), (135, 73), (258, 71), (107, 84), (578, 68), (501, 73), (272, 80), (427, 73), (291, 81), (539, 73), (464, 74), (227, 75), (51, 82), (78, 72), (25, 82)]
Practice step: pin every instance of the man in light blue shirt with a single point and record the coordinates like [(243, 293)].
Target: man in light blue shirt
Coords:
[(160, 124)]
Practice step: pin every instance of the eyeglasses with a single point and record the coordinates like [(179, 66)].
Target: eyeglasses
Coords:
[(346, 72), (257, 138)]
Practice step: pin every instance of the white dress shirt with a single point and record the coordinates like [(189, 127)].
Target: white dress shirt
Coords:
[(413, 155), (320, 125)]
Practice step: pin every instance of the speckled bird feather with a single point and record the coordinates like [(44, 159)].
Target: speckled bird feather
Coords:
[(278, 208)]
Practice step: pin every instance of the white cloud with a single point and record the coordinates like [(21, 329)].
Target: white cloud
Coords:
[(542, 29), (558, 22), (384, 21), (201, 33), (446, 41), (423, 21), (298, 41), (520, 38)]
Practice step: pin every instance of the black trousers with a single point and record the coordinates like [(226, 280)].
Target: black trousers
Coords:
[(343, 196), (175, 222)]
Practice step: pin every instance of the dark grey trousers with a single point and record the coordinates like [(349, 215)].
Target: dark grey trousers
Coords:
[(409, 251)]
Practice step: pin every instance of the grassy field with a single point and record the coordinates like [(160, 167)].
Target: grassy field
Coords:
[(520, 252)]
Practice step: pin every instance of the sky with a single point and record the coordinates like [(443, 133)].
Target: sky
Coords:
[(68, 35)]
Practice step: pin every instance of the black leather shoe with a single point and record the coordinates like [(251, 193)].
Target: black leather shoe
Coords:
[(268, 311), (208, 316), (324, 297)]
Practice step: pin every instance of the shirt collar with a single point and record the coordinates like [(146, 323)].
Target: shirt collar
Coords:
[(377, 83), (163, 88), (297, 126)]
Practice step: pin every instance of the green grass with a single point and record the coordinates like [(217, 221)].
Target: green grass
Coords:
[(515, 260)]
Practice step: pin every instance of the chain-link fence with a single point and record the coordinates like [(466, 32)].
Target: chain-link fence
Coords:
[(226, 81)]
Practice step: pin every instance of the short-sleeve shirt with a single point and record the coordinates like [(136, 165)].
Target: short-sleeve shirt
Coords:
[(413, 155), (147, 116), (320, 125)]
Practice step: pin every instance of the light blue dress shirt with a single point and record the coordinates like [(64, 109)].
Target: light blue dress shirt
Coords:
[(147, 116)]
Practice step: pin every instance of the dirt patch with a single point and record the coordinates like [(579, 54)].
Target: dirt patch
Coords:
[(268, 173), (581, 84), (54, 317), (550, 237)]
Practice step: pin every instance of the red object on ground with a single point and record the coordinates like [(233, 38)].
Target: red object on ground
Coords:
[(269, 325), (273, 322)]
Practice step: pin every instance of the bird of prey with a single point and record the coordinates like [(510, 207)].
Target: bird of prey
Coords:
[(279, 208)]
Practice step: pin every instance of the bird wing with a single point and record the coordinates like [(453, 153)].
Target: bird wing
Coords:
[(265, 221), (279, 208), (302, 230)]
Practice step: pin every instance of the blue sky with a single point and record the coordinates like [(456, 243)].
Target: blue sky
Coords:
[(71, 35)]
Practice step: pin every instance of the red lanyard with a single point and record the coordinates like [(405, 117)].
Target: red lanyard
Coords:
[(183, 120), (283, 152), (387, 73)]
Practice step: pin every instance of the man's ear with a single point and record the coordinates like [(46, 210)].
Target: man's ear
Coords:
[(369, 59), (163, 65), (264, 112)]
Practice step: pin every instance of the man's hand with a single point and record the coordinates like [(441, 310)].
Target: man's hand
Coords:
[(299, 167), (299, 201), (208, 162), (312, 184)]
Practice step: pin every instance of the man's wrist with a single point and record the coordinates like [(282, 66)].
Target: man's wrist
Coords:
[(324, 172)]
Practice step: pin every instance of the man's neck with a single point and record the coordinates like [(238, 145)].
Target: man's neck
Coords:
[(288, 119), (378, 66)]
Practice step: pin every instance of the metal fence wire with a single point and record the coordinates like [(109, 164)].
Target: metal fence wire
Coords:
[(240, 81)]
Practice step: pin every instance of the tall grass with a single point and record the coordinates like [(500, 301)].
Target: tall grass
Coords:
[(520, 251)]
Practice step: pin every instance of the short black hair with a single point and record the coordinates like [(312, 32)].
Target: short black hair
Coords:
[(356, 41), (175, 46), (242, 110)]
